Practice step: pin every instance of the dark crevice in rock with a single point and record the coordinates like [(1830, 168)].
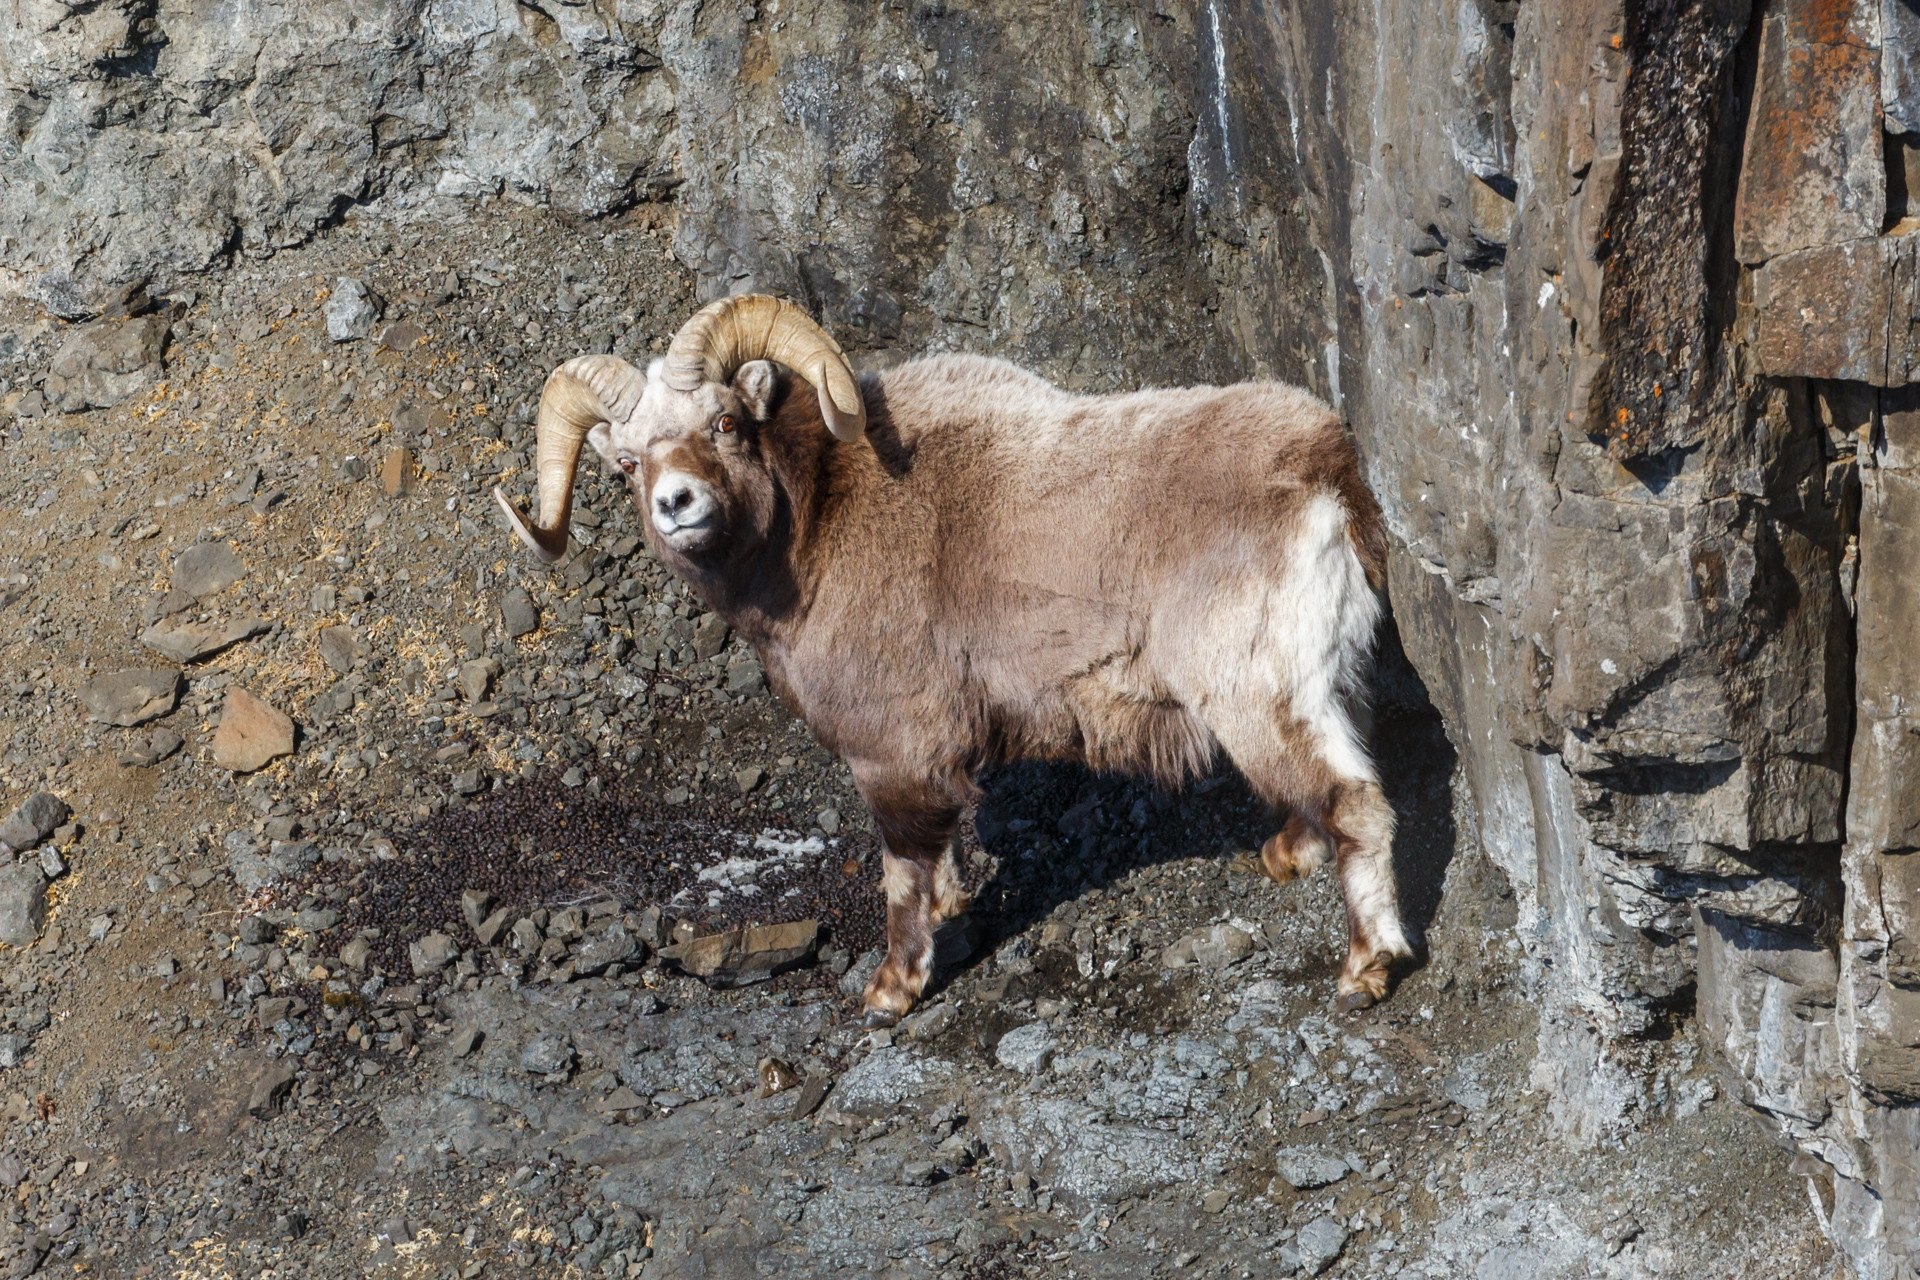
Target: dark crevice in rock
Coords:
[(1670, 1014), (141, 63), (1660, 468), (1660, 319)]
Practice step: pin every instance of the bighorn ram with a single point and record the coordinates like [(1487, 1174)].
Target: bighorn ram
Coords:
[(955, 564)]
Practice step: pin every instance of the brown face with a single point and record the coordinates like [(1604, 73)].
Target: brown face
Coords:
[(693, 463)]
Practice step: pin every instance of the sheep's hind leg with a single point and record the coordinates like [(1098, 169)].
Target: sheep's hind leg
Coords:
[(1295, 851), (1360, 822), (1335, 806), (916, 831)]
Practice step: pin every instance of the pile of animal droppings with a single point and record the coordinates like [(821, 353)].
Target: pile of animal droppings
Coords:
[(539, 843)]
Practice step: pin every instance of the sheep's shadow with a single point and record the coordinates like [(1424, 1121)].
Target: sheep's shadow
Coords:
[(1057, 832)]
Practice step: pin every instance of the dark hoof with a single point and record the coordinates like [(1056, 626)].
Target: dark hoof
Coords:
[(880, 1019), (1355, 1001)]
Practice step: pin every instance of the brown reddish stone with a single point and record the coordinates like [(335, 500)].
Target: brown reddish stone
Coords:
[(396, 471), (252, 734)]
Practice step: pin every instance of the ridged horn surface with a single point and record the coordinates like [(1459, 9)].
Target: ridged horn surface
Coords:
[(723, 335), (582, 392)]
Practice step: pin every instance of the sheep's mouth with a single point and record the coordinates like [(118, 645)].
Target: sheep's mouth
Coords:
[(703, 534)]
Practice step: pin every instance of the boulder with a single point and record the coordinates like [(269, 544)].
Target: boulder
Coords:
[(351, 310), (107, 363), (23, 903), (38, 816), (1303, 1168), (431, 954)]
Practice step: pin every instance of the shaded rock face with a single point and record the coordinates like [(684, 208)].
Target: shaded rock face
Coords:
[(1619, 305)]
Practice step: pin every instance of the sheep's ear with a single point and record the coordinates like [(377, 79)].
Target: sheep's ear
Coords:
[(758, 386), (601, 438)]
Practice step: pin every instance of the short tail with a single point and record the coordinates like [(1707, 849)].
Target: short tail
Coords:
[(1366, 526), (1338, 468), (1342, 567)]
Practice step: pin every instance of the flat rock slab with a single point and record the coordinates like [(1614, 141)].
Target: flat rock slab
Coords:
[(709, 636), (339, 648), (404, 336), (252, 733), (253, 870), (131, 697), (106, 363), (1303, 1168), (813, 1092), (1218, 946), (1900, 69), (270, 1090), (37, 818), (23, 903), (742, 956), (1812, 173), (1840, 311), (1026, 1049), (147, 750), (192, 641), (476, 678), (893, 1080), (431, 954), (397, 471), (210, 567), (1083, 1153)]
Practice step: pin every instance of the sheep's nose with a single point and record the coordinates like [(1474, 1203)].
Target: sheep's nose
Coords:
[(672, 499)]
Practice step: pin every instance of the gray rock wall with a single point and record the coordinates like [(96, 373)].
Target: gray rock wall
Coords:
[(153, 138), (1620, 302)]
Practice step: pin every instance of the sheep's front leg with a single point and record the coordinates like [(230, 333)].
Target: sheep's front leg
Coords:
[(917, 825)]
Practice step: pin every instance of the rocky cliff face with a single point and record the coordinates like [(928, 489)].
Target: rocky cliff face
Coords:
[(1620, 302)]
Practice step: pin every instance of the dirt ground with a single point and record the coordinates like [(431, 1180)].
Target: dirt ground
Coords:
[(264, 1031)]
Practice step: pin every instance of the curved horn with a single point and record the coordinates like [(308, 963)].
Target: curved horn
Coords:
[(582, 392), (726, 334)]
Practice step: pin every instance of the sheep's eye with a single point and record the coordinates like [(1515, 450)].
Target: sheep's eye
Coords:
[(724, 424), (627, 465)]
